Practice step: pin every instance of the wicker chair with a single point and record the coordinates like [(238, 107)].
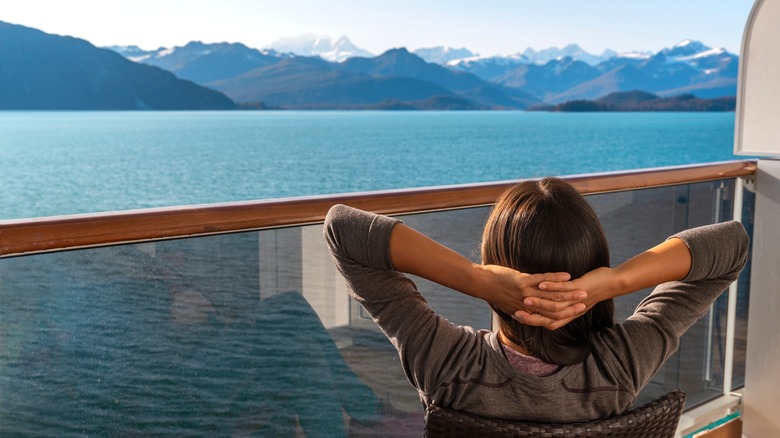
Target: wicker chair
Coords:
[(657, 419)]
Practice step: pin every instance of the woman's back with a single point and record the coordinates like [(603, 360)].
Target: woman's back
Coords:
[(466, 370)]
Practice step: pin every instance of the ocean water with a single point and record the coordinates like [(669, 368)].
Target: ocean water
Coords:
[(217, 335), (54, 163)]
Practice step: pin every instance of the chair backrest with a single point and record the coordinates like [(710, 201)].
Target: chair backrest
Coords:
[(657, 419)]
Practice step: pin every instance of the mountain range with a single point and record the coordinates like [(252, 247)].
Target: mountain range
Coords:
[(284, 80), (54, 72), (687, 67), (281, 76), (42, 71)]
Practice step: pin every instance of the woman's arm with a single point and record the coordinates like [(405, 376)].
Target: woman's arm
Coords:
[(360, 243), (668, 261), (414, 253), (694, 268)]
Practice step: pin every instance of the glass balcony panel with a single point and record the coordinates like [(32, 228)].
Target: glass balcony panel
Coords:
[(635, 220), (254, 333), (192, 337)]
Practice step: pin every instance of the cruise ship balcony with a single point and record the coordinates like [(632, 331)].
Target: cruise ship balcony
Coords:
[(230, 319)]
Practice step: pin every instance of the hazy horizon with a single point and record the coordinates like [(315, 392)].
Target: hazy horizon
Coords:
[(498, 27)]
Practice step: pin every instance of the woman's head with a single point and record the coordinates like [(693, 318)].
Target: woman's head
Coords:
[(547, 226)]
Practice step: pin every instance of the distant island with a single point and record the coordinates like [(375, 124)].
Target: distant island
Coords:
[(42, 71), (641, 101)]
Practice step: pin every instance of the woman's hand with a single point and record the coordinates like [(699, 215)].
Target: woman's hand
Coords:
[(667, 261), (509, 290), (552, 293), (600, 284)]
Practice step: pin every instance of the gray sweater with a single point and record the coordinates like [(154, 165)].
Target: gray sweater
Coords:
[(465, 369)]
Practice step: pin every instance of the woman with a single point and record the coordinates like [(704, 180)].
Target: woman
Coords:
[(560, 347)]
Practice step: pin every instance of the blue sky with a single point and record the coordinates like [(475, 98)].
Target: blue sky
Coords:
[(484, 26)]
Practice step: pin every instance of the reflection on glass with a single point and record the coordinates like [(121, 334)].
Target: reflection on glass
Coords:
[(254, 334), (635, 220)]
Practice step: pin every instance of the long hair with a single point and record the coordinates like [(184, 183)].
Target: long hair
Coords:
[(547, 226)]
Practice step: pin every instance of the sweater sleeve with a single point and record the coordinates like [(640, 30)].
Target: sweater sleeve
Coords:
[(426, 342), (646, 339)]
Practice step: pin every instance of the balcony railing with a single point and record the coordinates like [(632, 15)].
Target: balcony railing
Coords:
[(231, 319), (66, 232)]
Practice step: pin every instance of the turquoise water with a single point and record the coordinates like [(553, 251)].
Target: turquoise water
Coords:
[(202, 337), (56, 163)]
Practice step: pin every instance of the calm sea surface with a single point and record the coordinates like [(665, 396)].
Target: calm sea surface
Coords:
[(244, 334), (54, 163)]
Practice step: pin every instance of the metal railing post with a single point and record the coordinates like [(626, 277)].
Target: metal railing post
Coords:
[(731, 315)]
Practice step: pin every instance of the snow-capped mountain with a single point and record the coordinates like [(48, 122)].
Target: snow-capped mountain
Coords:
[(572, 51), (685, 48), (133, 53), (203, 63), (317, 73), (322, 46), (569, 73), (494, 67), (180, 54), (687, 67), (443, 55), (715, 61), (489, 68), (703, 58), (529, 56)]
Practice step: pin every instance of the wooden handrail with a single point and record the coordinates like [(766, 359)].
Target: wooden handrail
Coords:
[(27, 236)]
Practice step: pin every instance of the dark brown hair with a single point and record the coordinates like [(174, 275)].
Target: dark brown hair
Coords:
[(547, 226)]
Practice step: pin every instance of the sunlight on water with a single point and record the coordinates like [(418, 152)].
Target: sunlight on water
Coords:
[(76, 162)]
